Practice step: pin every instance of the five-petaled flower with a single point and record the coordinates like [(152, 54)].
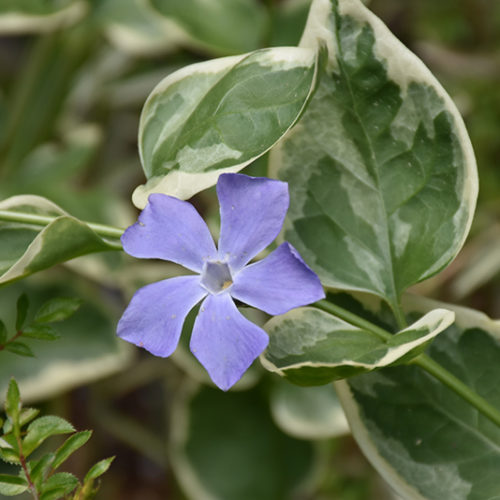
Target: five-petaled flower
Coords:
[(252, 211)]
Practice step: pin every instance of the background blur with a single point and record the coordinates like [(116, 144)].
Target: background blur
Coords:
[(74, 75)]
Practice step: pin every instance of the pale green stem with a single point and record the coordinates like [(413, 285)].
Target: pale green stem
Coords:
[(423, 361), (45, 220)]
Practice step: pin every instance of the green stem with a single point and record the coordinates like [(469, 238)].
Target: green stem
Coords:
[(423, 361), (45, 220)]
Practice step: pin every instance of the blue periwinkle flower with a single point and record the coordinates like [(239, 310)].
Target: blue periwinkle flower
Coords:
[(252, 211)]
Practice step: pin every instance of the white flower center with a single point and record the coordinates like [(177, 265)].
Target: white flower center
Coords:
[(216, 277)]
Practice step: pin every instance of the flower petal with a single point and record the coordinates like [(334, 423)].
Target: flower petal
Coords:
[(155, 315), (278, 283), (252, 211), (170, 229), (224, 341)]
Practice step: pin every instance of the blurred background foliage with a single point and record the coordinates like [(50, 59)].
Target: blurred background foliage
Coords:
[(74, 75)]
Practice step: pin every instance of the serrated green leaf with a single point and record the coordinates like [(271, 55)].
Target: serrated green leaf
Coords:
[(98, 469), (311, 347), (13, 401), (27, 415), (224, 27), (3, 333), (26, 248), (425, 440), (58, 485), (38, 16), (70, 446), (57, 309), (42, 428), (380, 164), (12, 485), (22, 310), (20, 348), (9, 455), (41, 332), (219, 116)]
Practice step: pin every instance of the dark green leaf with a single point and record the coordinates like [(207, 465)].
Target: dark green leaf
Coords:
[(98, 469), (39, 468), (3, 333), (41, 332), (42, 428), (20, 348), (27, 415), (57, 309), (70, 446), (58, 485), (22, 311), (12, 485)]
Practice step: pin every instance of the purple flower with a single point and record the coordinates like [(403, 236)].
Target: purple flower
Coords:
[(252, 211)]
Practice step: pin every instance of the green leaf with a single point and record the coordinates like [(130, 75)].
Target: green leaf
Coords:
[(311, 347), (20, 348), (57, 309), (26, 249), (135, 27), (58, 485), (308, 412), (425, 440), (42, 332), (219, 116), (12, 485), (3, 333), (209, 431), (27, 415), (9, 455), (224, 27), (39, 469), (380, 168), (42, 428), (98, 469), (87, 350), (22, 310), (13, 401), (38, 16), (70, 446)]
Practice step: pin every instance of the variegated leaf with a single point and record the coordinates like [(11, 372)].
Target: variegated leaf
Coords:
[(426, 441), (311, 347), (308, 412), (382, 176), (37, 16), (218, 116), (26, 248)]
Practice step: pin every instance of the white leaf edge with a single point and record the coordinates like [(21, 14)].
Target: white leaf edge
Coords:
[(403, 67), (184, 185), (464, 318), (437, 321), (16, 23)]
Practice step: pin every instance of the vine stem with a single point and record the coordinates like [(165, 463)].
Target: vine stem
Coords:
[(24, 465), (422, 361), (45, 220)]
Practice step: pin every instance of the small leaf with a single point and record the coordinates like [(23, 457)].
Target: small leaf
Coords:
[(98, 469), (58, 485), (13, 401), (42, 428), (27, 415), (70, 446), (12, 485), (41, 332), (9, 455), (3, 333), (57, 309), (20, 348), (39, 468), (22, 311)]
